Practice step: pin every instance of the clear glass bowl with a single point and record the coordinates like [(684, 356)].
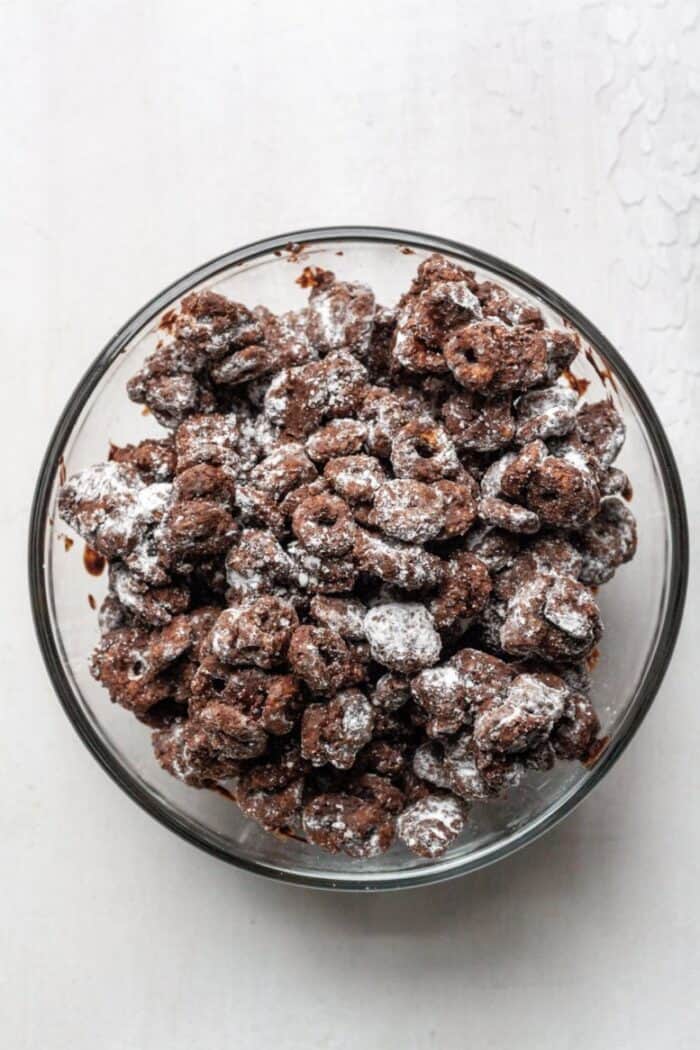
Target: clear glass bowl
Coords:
[(641, 606)]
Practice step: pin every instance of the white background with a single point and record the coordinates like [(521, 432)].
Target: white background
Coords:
[(142, 138)]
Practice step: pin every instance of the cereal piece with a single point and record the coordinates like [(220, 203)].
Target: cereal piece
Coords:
[(402, 636), (424, 452), (563, 494), (344, 823), (189, 753), (386, 412), (203, 481), (345, 616), (283, 470), (230, 731), (463, 592), (575, 733), (490, 358), (545, 413), (341, 316), (324, 525), (340, 437), (430, 825), (497, 549), (356, 479), (294, 401), (196, 529), (287, 337), (406, 566), (291, 501), (258, 510), (271, 790), (409, 510), (335, 731), (459, 506), (258, 633), (154, 458), (607, 542), (146, 604), (322, 575), (207, 439), (102, 504), (213, 323), (257, 564), (343, 380), (390, 692), (476, 775), (122, 664), (601, 430), (322, 658), (554, 617), (478, 424), (511, 517), (519, 471), (244, 365), (511, 309), (525, 718), (562, 347)]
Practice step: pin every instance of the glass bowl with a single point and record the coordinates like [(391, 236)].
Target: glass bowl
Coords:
[(641, 606)]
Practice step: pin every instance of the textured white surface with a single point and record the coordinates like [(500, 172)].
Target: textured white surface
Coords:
[(139, 139)]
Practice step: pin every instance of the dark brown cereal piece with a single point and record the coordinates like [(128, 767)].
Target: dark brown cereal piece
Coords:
[(492, 359), (511, 517), (339, 822), (122, 664), (341, 316), (402, 636), (259, 510), (204, 481), (343, 381), (377, 357), (188, 752), (546, 413), (154, 458), (390, 692), (497, 302), (405, 565), (576, 731), (287, 337), (196, 529), (495, 547), (147, 604), (386, 412), (344, 615), (244, 365), (607, 542), (356, 479), (525, 717), (464, 590), (563, 494), (409, 510), (424, 451), (519, 471), (477, 423), (102, 504), (208, 439), (310, 488), (443, 693), (257, 564), (335, 731), (430, 825), (283, 470), (553, 617), (231, 731), (321, 658), (294, 400), (258, 633), (271, 790), (562, 347), (340, 437), (601, 430), (213, 323), (324, 525), (459, 506)]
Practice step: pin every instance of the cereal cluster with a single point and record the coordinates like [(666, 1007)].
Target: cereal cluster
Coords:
[(356, 579)]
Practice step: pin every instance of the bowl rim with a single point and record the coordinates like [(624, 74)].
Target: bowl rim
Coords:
[(676, 583)]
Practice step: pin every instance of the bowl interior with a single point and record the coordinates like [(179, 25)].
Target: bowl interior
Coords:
[(636, 605)]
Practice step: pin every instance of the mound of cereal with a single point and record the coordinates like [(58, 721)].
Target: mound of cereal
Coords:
[(355, 582)]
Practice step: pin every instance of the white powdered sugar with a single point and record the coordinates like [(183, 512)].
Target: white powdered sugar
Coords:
[(402, 636), (431, 824)]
